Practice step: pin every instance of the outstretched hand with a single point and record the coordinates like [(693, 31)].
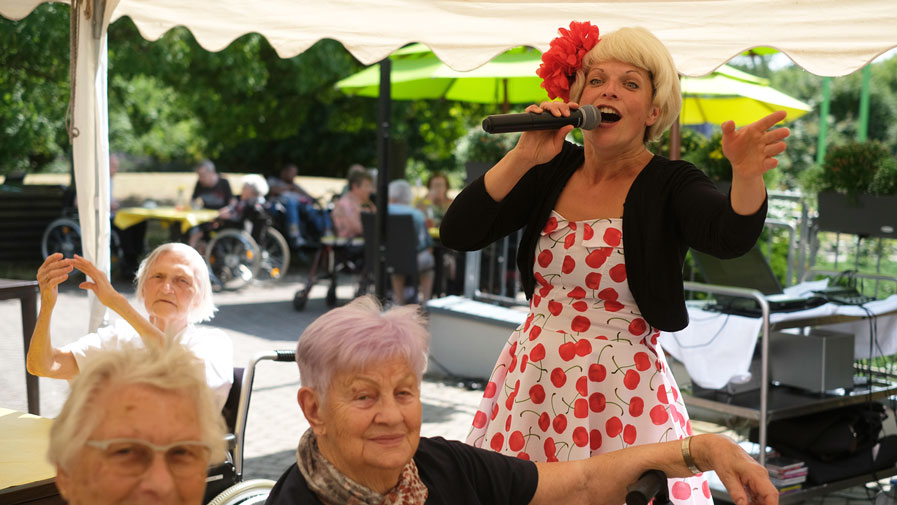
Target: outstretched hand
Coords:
[(751, 149)]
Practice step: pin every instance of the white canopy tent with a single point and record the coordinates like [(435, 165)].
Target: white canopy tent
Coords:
[(826, 37)]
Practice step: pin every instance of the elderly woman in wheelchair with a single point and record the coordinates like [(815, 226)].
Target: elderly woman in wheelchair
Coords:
[(360, 371), (242, 245)]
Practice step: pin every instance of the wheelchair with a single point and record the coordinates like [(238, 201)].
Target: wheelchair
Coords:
[(64, 235), (248, 249), (224, 483)]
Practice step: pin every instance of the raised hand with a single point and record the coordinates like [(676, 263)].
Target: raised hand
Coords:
[(52, 272), (97, 282), (751, 149)]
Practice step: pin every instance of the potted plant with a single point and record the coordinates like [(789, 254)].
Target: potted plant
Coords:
[(858, 190), (479, 150)]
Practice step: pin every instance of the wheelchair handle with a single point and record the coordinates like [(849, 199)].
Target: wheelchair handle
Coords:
[(285, 355), (651, 484)]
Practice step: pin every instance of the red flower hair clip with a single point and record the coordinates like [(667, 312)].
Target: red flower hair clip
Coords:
[(564, 57)]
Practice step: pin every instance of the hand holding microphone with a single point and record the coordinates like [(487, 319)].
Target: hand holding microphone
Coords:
[(585, 117)]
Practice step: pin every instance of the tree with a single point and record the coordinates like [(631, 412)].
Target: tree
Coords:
[(34, 88)]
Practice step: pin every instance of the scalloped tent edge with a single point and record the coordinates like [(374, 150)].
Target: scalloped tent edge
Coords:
[(826, 37)]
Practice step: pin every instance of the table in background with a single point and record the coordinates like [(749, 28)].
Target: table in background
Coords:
[(185, 218), (26, 477), (26, 292)]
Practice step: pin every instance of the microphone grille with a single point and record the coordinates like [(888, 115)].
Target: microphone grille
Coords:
[(591, 117)]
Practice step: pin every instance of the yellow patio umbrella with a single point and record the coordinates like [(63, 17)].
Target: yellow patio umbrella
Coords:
[(510, 78), (729, 93)]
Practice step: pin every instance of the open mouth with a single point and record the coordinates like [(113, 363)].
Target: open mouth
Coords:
[(609, 115)]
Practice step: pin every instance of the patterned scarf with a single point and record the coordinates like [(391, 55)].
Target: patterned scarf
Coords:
[(332, 487)]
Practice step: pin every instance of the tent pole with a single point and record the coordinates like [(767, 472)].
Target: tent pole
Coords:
[(505, 105), (383, 127), (675, 140), (823, 119), (863, 127)]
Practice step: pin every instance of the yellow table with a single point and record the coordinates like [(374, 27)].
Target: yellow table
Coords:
[(25, 474), (187, 218)]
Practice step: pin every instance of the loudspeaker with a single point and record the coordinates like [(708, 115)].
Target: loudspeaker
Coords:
[(817, 362)]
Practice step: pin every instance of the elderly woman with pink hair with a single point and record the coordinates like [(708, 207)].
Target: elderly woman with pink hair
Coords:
[(361, 370)]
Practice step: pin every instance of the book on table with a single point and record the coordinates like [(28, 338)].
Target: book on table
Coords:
[(779, 464), (783, 483)]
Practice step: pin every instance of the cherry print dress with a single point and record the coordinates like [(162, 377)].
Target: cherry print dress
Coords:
[(584, 374)]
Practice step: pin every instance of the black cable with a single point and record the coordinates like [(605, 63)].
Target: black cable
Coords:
[(705, 344)]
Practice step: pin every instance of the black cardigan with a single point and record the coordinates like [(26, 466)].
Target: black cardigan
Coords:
[(670, 207)]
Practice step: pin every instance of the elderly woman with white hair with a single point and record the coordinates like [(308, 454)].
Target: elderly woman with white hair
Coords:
[(361, 371), (125, 406), (400, 198), (172, 285)]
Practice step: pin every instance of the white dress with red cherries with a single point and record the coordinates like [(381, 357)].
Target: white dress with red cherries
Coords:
[(584, 374)]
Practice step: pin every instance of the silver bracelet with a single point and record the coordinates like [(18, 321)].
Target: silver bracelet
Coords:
[(686, 456)]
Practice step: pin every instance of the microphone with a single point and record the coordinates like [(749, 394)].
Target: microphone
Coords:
[(586, 117)]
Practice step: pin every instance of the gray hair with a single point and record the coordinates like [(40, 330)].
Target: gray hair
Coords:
[(257, 183), (203, 308), (639, 47), (358, 335), (170, 367), (400, 192), (205, 165)]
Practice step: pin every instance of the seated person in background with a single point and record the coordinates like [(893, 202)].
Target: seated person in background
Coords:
[(437, 201), (361, 370), (282, 188), (131, 238), (400, 203), (211, 190), (126, 406), (249, 212), (347, 210), (173, 286)]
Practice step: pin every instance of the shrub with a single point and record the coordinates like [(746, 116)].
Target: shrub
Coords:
[(852, 169), (478, 145)]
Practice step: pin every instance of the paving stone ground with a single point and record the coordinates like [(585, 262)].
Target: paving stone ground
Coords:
[(257, 318), (260, 318)]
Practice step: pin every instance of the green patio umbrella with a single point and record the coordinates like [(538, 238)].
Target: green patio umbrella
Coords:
[(510, 78)]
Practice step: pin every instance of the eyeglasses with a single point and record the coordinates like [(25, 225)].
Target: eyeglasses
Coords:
[(132, 457)]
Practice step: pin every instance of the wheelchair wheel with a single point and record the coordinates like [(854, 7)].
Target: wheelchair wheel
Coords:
[(275, 256), (250, 492), (234, 258), (62, 235)]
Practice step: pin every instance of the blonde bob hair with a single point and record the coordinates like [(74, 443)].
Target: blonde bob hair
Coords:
[(639, 47), (169, 367), (202, 308)]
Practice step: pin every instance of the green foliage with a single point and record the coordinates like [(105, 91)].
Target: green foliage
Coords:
[(885, 180), (171, 102), (690, 144), (852, 167), (34, 69), (477, 145), (712, 161)]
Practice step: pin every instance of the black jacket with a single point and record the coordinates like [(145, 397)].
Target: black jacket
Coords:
[(671, 206)]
